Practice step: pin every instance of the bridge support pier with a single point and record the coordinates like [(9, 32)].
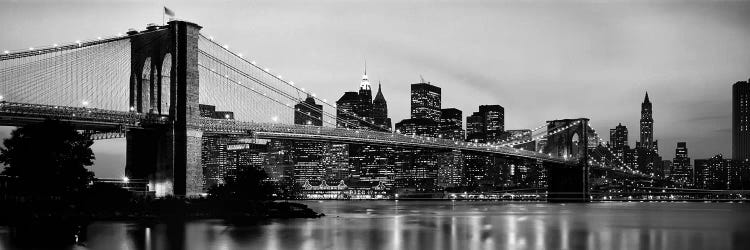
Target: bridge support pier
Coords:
[(568, 139), (567, 184), (171, 155)]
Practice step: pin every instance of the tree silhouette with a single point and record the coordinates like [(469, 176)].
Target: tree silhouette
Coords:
[(49, 158)]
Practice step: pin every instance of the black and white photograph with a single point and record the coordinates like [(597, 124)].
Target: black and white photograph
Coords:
[(375, 124)]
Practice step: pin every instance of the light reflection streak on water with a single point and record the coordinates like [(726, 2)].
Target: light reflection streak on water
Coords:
[(454, 226)]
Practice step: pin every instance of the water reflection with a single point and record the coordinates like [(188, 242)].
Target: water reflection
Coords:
[(444, 225)]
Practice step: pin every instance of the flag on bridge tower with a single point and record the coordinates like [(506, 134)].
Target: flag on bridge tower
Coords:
[(168, 12)]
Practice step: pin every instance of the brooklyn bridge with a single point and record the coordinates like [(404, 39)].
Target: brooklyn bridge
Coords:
[(147, 86)]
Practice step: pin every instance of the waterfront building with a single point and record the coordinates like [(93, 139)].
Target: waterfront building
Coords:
[(712, 173)]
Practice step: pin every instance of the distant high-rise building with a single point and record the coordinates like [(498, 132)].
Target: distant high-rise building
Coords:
[(307, 155), (494, 122), (380, 111), (647, 126), (682, 171), (475, 127), (711, 173), (209, 111), (425, 101), (618, 137), (451, 124), (308, 113), (346, 117), (365, 95), (418, 126), (216, 160), (516, 135), (487, 125), (335, 160), (358, 110), (450, 169), (741, 121)]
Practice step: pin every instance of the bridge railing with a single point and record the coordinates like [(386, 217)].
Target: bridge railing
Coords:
[(20, 111)]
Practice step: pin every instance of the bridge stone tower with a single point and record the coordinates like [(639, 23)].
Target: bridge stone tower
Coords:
[(164, 82), (566, 182)]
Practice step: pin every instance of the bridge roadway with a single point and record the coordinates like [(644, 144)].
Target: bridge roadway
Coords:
[(17, 114), (111, 124)]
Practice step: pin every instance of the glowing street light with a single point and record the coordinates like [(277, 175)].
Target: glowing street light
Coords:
[(125, 179)]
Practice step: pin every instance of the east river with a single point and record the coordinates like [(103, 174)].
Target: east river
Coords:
[(448, 225)]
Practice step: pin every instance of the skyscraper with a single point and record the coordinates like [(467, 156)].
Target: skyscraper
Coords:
[(307, 155), (741, 121), (487, 125), (308, 113), (451, 124), (380, 111), (682, 171), (346, 117), (365, 95), (618, 145), (475, 127), (494, 122), (425, 101), (357, 109), (647, 126)]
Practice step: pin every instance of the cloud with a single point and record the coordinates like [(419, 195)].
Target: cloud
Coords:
[(707, 118)]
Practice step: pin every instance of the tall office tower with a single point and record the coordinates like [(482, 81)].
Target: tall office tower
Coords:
[(682, 171), (345, 110), (308, 113), (486, 125), (307, 155), (647, 127), (618, 136), (365, 96), (618, 141), (741, 122), (451, 124), (711, 173), (475, 127), (380, 111), (494, 122), (425, 101)]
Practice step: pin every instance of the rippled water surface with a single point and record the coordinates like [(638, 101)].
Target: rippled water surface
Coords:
[(451, 225)]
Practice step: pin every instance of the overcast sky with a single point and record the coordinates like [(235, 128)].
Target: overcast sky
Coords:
[(541, 60)]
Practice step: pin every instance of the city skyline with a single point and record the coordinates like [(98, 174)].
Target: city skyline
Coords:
[(487, 81)]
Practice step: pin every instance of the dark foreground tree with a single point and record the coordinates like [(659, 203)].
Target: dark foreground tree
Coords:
[(249, 184), (49, 158)]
